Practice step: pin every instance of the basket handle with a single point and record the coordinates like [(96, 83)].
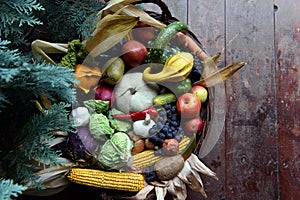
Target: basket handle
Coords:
[(166, 14)]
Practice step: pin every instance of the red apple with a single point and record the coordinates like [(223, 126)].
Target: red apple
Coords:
[(188, 105), (134, 53), (104, 93), (194, 125), (200, 92)]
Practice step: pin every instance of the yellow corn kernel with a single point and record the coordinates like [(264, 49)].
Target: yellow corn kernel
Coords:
[(147, 158), (125, 181)]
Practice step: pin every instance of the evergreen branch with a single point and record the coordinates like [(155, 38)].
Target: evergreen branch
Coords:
[(3, 100), (34, 150), (16, 13), (27, 6), (16, 74), (29, 20), (9, 189), (51, 80), (76, 17)]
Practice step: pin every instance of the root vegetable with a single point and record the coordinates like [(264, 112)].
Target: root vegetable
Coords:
[(171, 147), (138, 146), (168, 167)]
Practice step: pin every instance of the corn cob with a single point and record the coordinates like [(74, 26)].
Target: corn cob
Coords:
[(125, 181), (147, 158)]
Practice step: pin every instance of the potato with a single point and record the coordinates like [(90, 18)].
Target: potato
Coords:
[(168, 167)]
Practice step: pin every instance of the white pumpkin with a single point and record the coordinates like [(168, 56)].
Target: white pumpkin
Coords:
[(133, 94)]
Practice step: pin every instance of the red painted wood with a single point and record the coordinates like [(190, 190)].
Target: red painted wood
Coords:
[(287, 29), (251, 138)]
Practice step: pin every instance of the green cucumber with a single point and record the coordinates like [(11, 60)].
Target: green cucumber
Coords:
[(165, 98), (157, 48)]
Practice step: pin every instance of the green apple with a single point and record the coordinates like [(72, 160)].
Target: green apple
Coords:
[(200, 92)]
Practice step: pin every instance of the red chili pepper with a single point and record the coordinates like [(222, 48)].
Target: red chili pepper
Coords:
[(140, 115)]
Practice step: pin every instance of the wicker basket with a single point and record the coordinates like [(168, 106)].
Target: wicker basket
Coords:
[(212, 111)]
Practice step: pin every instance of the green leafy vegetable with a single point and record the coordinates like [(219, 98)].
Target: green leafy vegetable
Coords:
[(116, 124), (96, 106), (115, 153), (99, 127)]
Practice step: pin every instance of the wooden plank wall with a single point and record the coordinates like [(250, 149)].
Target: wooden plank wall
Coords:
[(210, 28), (257, 156), (287, 31), (251, 129)]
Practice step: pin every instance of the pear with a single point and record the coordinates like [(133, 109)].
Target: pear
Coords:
[(113, 70)]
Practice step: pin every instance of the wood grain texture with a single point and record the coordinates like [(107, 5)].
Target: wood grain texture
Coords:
[(206, 20), (287, 35), (251, 126)]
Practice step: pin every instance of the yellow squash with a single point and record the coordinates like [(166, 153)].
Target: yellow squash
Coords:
[(176, 69)]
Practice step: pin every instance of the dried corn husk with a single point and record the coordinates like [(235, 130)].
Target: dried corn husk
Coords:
[(197, 165), (141, 195), (40, 47), (196, 184), (113, 6), (160, 192), (191, 177), (125, 7), (221, 75), (132, 10), (53, 179), (210, 64), (109, 31), (177, 189)]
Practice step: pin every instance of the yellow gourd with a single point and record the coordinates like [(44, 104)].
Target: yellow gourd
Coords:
[(176, 69)]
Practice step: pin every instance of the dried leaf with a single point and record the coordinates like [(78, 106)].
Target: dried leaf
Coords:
[(198, 178), (110, 30), (45, 101), (134, 11), (210, 65), (141, 195), (177, 189), (56, 141), (113, 6), (197, 165), (160, 192), (220, 75), (160, 183), (40, 47), (196, 185), (185, 172)]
